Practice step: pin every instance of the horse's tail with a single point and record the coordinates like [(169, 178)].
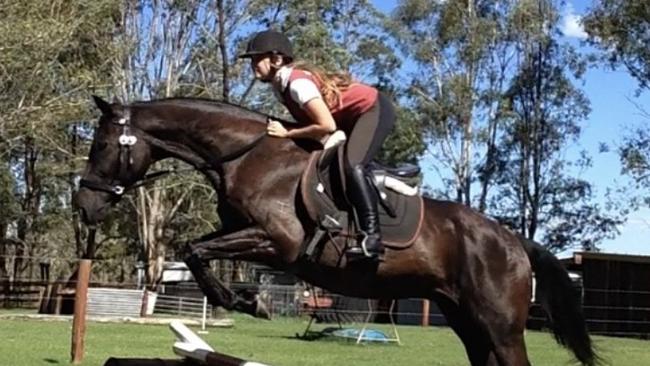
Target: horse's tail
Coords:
[(558, 298)]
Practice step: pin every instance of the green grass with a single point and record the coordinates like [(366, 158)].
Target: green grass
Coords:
[(35, 342)]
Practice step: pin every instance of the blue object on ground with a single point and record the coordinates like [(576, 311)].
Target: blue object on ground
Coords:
[(369, 335)]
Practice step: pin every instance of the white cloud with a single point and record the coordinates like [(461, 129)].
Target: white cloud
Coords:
[(571, 25)]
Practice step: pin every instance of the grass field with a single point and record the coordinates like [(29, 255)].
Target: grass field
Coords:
[(34, 342)]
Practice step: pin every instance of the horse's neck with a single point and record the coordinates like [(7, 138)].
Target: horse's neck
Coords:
[(202, 139), (212, 132), (226, 138), (207, 134)]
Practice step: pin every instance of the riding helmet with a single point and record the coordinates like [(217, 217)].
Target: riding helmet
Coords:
[(268, 41)]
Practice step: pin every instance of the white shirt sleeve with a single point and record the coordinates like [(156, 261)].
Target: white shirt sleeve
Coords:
[(303, 90)]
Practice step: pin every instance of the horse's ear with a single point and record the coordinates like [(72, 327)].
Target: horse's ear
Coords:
[(103, 106)]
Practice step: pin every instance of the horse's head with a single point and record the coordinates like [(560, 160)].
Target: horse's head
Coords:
[(118, 158)]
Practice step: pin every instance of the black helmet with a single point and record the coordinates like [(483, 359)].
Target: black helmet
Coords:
[(268, 41)]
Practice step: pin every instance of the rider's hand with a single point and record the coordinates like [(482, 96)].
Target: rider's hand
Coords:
[(276, 129)]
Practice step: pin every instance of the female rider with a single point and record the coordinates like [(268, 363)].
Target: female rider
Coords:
[(322, 103)]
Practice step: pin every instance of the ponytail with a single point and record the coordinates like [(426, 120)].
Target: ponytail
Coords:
[(332, 84)]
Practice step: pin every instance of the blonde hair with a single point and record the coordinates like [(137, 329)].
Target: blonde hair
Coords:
[(331, 84)]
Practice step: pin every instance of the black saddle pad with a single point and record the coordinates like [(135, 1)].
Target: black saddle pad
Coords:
[(323, 193)]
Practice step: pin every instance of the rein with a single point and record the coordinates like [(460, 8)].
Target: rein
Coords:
[(126, 140)]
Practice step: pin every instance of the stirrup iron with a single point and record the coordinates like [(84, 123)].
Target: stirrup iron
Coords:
[(362, 244), (360, 249)]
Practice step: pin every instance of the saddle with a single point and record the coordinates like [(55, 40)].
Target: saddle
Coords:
[(322, 187)]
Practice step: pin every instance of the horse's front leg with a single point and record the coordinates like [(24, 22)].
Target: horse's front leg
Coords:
[(230, 246)]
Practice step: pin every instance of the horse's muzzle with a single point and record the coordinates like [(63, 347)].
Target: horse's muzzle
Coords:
[(92, 205)]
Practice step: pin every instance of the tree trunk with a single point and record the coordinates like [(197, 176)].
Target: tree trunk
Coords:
[(30, 205), (223, 49)]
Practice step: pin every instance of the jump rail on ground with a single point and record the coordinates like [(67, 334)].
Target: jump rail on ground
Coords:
[(192, 348)]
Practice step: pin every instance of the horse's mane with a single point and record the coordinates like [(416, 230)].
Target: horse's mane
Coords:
[(218, 106), (210, 106)]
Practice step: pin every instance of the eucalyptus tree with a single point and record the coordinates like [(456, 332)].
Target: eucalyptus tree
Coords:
[(495, 91), (619, 29), (539, 191), (169, 49), (462, 55), (50, 55)]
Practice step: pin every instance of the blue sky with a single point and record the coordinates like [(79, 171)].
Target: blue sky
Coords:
[(612, 96), (612, 93)]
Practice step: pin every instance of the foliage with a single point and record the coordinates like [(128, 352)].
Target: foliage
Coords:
[(494, 91), (51, 55), (634, 152), (462, 52), (483, 92), (621, 32), (620, 29), (536, 190), (54, 56)]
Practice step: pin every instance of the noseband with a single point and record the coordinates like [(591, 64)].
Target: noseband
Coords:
[(118, 187)]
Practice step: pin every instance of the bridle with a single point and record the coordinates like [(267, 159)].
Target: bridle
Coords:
[(126, 140)]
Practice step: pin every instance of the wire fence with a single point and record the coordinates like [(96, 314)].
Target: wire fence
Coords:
[(617, 312), (121, 272), (185, 307), (296, 300)]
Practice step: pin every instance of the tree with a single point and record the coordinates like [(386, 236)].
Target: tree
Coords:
[(51, 53), (620, 29), (8, 212), (169, 49), (462, 50), (537, 192), (634, 153), (54, 55), (493, 89)]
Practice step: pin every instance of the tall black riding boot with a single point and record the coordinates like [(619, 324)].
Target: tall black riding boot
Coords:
[(364, 199)]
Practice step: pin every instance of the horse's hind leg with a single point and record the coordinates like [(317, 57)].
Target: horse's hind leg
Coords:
[(507, 332), (486, 343), (476, 341), (511, 350), (506, 321)]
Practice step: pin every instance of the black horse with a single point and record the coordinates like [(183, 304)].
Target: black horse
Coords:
[(478, 272)]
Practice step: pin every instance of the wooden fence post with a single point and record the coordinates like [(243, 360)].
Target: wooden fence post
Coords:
[(79, 318), (425, 312)]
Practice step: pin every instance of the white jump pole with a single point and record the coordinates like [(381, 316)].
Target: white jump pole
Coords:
[(204, 315), (192, 346)]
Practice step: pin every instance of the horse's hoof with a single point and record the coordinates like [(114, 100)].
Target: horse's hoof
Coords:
[(261, 311)]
